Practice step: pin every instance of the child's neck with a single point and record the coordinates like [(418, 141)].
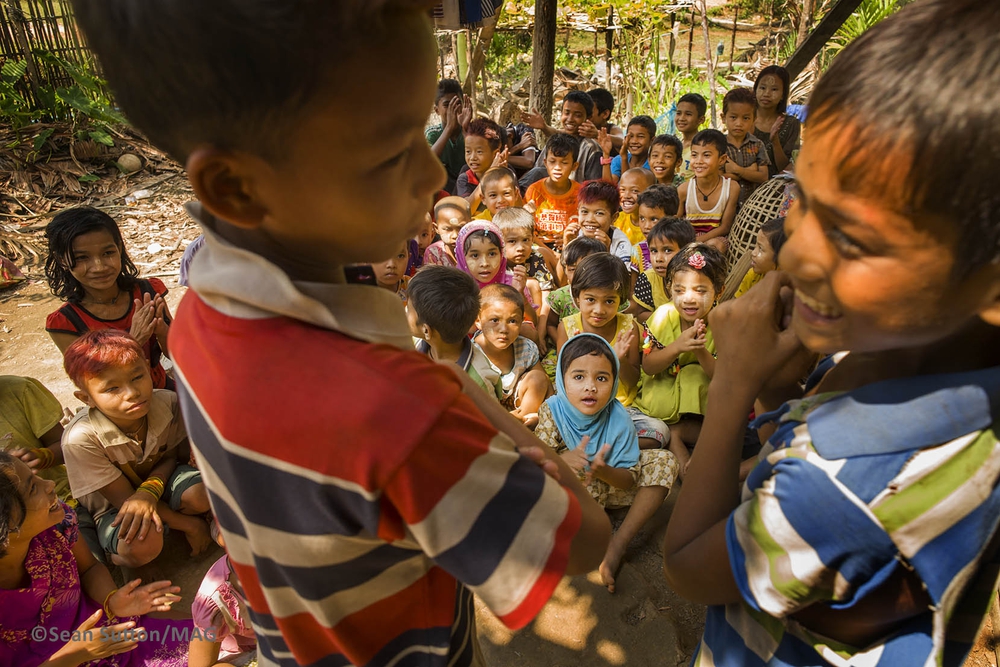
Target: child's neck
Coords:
[(765, 117), (297, 267), (107, 296), (441, 351), (736, 141), (708, 182), (502, 358), (556, 187), (450, 251), (607, 332), (688, 137), (668, 179), (637, 159), (394, 288)]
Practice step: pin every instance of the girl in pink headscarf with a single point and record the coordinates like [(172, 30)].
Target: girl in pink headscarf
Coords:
[(479, 251)]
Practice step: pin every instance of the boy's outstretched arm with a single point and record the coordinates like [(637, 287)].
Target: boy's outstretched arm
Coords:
[(591, 541), (695, 554)]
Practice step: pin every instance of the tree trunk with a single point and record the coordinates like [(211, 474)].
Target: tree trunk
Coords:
[(709, 64), (543, 57), (805, 21)]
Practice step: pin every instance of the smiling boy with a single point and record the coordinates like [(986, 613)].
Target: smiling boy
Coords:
[(575, 113), (352, 547), (688, 117)]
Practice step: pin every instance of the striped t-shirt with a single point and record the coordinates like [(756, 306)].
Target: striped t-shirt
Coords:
[(362, 497), (853, 486)]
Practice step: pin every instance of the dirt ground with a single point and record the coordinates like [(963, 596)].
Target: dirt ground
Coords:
[(644, 624)]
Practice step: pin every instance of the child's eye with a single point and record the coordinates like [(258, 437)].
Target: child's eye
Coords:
[(393, 161), (844, 243), (578, 377)]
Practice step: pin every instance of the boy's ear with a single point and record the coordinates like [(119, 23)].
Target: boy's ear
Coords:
[(84, 397), (426, 331), (990, 312), (226, 184)]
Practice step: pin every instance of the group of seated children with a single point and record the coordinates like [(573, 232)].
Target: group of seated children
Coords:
[(582, 307), (121, 468)]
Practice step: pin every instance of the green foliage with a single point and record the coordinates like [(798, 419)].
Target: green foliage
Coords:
[(85, 100), (864, 17)]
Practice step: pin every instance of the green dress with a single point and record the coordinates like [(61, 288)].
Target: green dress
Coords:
[(683, 387)]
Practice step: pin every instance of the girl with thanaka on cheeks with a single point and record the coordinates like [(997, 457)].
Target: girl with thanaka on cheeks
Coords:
[(652, 288), (867, 532), (482, 257), (778, 130), (678, 353), (594, 434), (450, 215), (764, 257)]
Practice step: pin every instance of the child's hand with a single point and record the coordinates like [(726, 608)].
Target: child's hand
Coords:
[(576, 459), (133, 600), (597, 464), (623, 343), (27, 456), (500, 160), (753, 334), (570, 232), (143, 319), (538, 457), (451, 114), (604, 141), (530, 207), (161, 327), (600, 235), (693, 338), (92, 646), (533, 119), (198, 535), (520, 278), (527, 141), (135, 517), (777, 126), (588, 129), (465, 115)]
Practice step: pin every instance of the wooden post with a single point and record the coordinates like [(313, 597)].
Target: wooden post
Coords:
[(543, 57), (673, 40), (691, 39), (609, 43), (479, 53), (709, 62), (21, 35), (805, 20), (732, 44)]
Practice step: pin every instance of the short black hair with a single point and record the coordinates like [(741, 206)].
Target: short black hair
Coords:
[(233, 74), (12, 508), (447, 87), (672, 228), (489, 130), (697, 100), (446, 299), (712, 137), (774, 230), (583, 346), (602, 270), (663, 197), (715, 264), (60, 233), (782, 74), (581, 98), (579, 248), (916, 113), (561, 144), (740, 95), (669, 140), (501, 292), (645, 122), (603, 99), (495, 175)]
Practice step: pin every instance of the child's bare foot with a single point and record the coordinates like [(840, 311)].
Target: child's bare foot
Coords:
[(198, 536), (610, 565)]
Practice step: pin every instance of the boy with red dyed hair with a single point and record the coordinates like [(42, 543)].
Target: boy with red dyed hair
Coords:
[(597, 206), (123, 454)]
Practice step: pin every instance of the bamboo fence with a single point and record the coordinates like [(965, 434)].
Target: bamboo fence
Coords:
[(30, 26)]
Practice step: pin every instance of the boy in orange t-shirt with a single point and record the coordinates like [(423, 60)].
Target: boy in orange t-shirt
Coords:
[(553, 200)]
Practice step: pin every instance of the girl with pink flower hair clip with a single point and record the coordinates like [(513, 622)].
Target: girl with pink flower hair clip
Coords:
[(678, 350)]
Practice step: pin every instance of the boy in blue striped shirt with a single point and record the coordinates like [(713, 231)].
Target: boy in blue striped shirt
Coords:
[(867, 528)]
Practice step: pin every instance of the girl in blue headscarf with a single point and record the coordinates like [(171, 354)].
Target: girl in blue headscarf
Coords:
[(593, 432)]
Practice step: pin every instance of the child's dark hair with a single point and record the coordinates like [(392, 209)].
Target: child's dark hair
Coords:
[(740, 95), (602, 270), (583, 346), (663, 197), (592, 192), (581, 98), (603, 99), (561, 144), (460, 204), (489, 130), (13, 511), (713, 264), (495, 175), (580, 247), (645, 122), (486, 234), (917, 119), (774, 230), (782, 74), (447, 87), (66, 226), (699, 102), (229, 73), (677, 230), (446, 299), (712, 138), (669, 140), (502, 293)]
